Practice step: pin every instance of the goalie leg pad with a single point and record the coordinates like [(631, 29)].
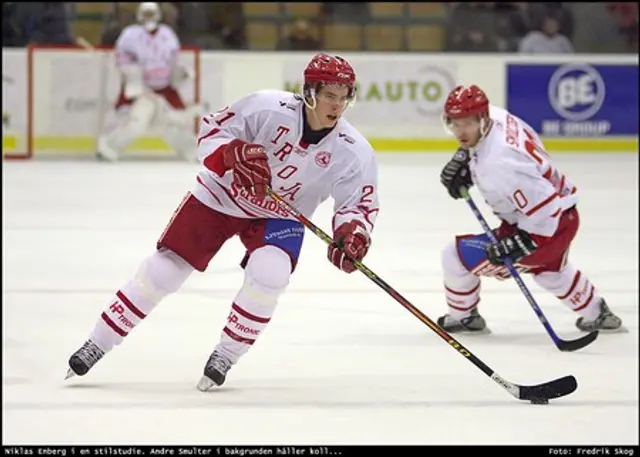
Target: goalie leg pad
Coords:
[(184, 117), (181, 140), (132, 123)]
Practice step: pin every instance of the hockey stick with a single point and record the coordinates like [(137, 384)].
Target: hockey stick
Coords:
[(563, 345), (539, 393)]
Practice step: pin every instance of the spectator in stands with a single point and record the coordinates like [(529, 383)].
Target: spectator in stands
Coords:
[(515, 22), (122, 17), (345, 11), (547, 41), (214, 25), (12, 33), (299, 38), (471, 28), (626, 14), (478, 40), (198, 25), (170, 14), (230, 20), (44, 22), (539, 11)]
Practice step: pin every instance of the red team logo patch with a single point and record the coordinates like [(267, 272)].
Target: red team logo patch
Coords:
[(323, 159)]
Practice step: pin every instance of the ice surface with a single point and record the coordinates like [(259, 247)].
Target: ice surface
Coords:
[(341, 362)]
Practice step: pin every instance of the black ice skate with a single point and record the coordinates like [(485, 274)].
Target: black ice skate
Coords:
[(83, 359), (215, 372), (605, 322), (473, 323)]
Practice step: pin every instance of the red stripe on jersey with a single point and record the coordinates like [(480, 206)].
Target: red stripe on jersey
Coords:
[(542, 204), (208, 190), (215, 161), (210, 133), (366, 212)]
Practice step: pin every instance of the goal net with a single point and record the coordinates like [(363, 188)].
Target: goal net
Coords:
[(70, 96)]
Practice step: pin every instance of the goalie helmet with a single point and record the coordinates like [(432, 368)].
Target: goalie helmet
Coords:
[(149, 15), (327, 69)]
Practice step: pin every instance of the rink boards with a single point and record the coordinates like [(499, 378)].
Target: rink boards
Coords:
[(55, 99)]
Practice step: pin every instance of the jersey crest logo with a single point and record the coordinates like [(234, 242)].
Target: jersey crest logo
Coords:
[(323, 159)]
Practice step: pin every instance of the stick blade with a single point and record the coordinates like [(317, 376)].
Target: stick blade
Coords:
[(574, 345), (552, 389)]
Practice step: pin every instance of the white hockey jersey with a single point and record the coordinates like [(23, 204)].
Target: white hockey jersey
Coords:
[(517, 178), (342, 165), (156, 52)]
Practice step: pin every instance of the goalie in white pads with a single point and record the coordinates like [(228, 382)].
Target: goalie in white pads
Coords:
[(147, 56), (299, 144), (505, 159)]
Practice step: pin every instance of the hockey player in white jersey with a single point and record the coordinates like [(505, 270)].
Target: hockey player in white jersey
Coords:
[(304, 149), (505, 159), (147, 57)]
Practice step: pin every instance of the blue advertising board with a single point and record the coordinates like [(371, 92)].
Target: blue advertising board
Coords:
[(575, 100)]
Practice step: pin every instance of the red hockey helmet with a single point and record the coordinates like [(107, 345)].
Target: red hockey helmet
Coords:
[(466, 102), (326, 69)]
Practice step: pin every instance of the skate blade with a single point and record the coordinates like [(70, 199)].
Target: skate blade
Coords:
[(621, 329), (484, 331), (206, 385)]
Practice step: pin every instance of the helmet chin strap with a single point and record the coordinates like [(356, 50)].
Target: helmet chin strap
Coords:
[(312, 105), (316, 116), (485, 126), (312, 96)]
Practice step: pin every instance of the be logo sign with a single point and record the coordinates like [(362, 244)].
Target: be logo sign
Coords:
[(575, 100), (576, 92)]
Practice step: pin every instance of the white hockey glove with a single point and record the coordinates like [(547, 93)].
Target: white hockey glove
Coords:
[(179, 75)]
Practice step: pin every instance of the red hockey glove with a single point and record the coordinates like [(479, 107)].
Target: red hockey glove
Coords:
[(249, 163), (354, 241)]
